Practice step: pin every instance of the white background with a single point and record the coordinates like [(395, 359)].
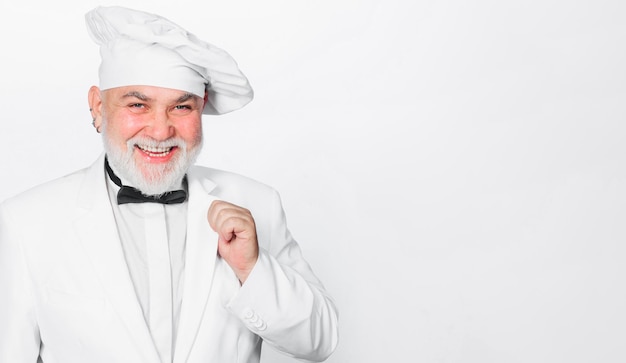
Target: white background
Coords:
[(453, 170)]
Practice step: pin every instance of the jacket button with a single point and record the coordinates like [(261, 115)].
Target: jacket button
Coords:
[(260, 325), (248, 314)]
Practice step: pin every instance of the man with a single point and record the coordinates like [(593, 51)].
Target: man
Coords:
[(143, 257)]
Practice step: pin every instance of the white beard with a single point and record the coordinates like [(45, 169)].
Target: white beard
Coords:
[(156, 179)]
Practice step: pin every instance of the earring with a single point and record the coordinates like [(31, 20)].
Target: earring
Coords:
[(93, 122)]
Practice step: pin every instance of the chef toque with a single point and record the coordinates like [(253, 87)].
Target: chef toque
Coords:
[(139, 48)]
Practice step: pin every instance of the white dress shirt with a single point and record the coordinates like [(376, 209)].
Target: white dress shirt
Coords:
[(148, 244)]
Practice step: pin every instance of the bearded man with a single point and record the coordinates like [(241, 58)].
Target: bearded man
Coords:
[(143, 257)]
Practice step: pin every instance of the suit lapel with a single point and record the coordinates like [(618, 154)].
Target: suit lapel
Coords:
[(98, 232), (200, 257)]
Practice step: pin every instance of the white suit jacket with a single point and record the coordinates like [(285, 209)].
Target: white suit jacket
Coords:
[(66, 295)]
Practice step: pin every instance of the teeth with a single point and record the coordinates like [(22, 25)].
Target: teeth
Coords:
[(155, 150)]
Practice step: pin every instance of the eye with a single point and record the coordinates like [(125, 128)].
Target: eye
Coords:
[(183, 109), (137, 107)]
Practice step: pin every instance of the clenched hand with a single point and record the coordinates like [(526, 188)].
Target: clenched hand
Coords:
[(237, 243)]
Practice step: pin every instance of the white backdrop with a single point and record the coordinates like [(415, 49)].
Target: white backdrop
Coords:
[(453, 170)]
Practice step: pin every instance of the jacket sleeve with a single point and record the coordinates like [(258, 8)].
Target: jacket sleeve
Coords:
[(282, 300), (19, 334)]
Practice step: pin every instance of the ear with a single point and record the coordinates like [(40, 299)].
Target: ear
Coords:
[(95, 106)]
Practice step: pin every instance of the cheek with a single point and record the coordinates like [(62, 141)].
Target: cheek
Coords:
[(191, 133), (121, 130)]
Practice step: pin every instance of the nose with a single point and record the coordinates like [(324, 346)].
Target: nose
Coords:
[(160, 127)]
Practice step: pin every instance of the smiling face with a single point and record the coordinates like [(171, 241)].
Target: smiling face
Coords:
[(151, 135)]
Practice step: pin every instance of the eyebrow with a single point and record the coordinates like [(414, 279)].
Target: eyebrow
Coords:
[(185, 97), (136, 94)]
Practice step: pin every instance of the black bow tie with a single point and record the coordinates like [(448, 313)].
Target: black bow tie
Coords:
[(128, 194)]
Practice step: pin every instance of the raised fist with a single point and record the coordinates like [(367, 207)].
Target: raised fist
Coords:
[(237, 243)]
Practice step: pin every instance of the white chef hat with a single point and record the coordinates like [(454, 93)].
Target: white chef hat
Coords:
[(139, 48)]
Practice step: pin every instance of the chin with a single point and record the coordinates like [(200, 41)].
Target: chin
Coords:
[(151, 178), (156, 179)]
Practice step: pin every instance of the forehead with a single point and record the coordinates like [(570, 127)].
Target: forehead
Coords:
[(149, 93)]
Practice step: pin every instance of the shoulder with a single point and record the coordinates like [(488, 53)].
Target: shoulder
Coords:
[(229, 182), (236, 188), (56, 192)]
